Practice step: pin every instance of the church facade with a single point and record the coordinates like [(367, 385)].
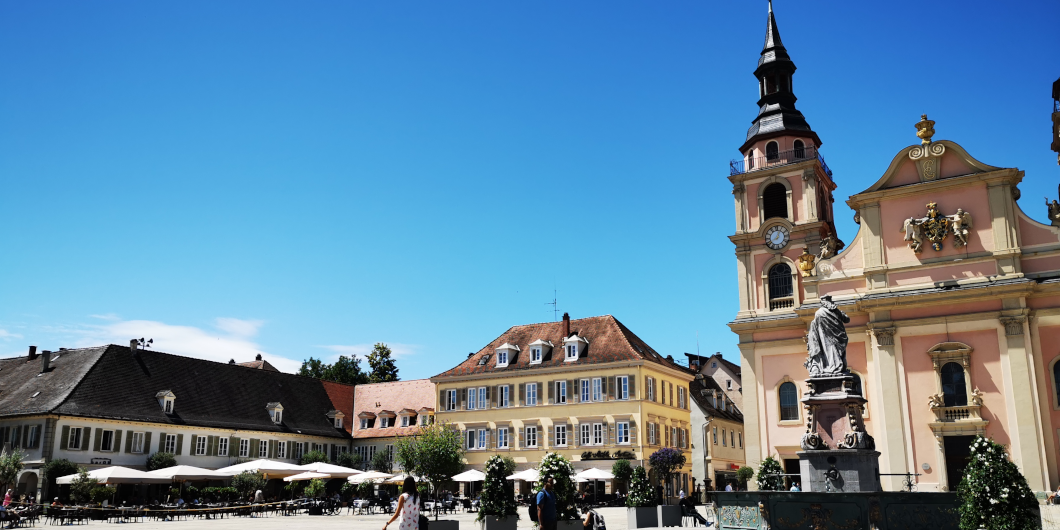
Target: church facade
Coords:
[(953, 294)]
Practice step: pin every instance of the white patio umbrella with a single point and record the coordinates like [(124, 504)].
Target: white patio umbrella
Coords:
[(179, 473), (529, 475), (398, 479), (471, 475), (268, 467), (368, 476), (594, 474), (308, 475), (117, 475), (331, 469)]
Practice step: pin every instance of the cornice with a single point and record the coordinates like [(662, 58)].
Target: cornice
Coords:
[(1009, 176), (744, 178)]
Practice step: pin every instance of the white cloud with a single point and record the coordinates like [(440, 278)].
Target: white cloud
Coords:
[(108, 316), (362, 350), (232, 339), (7, 335)]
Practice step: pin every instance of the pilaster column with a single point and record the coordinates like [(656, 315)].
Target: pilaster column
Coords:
[(1024, 423), (888, 426), (755, 446), (809, 194), (738, 191)]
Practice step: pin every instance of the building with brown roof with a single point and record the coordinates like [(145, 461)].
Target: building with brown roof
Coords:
[(384, 411), (588, 388), (718, 445)]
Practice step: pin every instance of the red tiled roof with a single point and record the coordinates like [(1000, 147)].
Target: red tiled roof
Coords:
[(342, 398), (398, 395), (609, 341)]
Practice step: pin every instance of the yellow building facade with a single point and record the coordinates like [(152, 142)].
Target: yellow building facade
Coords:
[(581, 388)]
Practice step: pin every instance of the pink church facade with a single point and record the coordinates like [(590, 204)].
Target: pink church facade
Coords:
[(952, 290)]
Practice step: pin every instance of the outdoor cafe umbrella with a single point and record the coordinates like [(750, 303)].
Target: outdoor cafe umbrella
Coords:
[(471, 475), (308, 475), (594, 474), (529, 475), (397, 479), (331, 469), (182, 473), (268, 467), (369, 476), (117, 475)]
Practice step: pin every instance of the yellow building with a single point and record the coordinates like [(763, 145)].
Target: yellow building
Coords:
[(581, 388)]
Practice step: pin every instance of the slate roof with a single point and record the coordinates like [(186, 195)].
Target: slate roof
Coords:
[(609, 341), (113, 382), (394, 396), (695, 389)]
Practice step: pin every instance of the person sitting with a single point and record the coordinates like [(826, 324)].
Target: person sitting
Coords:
[(1055, 497), (688, 509), (56, 503), (795, 486)]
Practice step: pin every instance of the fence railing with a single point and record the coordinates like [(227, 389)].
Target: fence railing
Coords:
[(792, 156)]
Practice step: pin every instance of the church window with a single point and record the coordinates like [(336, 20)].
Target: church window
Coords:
[(775, 200), (772, 151), (789, 402), (800, 150), (1056, 380), (780, 289), (954, 390), (771, 85)]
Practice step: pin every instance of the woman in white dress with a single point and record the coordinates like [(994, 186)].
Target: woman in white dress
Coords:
[(408, 507)]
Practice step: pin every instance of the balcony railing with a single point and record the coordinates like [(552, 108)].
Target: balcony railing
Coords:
[(781, 303), (793, 156), (957, 414)]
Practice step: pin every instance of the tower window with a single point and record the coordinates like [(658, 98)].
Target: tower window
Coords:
[(780, 289), (771, 85), (789, 402), (772, 151), (954, 391), (775, 200), (800, 150)]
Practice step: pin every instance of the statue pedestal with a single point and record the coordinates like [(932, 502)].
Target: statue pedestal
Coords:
[(837, 455)]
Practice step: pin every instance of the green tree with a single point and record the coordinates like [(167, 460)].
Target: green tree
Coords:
[(665, 462), (82, 486), (346, 370), (313, 368), (743, 475), (161, 460), (10, 466), (560, 470), (100, 494), (382, 364), (247, 483), (350, 460), (498, 493), (434, 453), (315, 489), (641, 494), (60, 467), (993, 493), (769, 478), (622, 471), (382, 463), (313, 457)]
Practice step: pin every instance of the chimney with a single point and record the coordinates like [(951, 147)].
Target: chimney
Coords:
[(133, 346), (32, 352), (257, 357), (45, 359), (566, 325)]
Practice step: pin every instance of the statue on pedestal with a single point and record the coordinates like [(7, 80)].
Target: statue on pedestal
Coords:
[(827, 340)]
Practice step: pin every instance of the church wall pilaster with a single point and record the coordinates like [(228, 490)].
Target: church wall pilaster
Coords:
[(1020, 400), (889, 424)]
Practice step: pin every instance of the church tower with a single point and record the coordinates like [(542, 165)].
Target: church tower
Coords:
[(783, 192)]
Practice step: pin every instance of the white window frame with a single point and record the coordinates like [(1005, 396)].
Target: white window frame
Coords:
[(561, 435), (586, 390), (561, 391), (404, 421), (424, 420), (502, 358), (170, 443), (453, 402), (681, 397), (222, 446), (299, 450), (622, 432), (137, 445), (622, 384), (651, 389), (263, 448), (586, 434), (364, 423), (472, 398), (281, 450), (34, 436), (653, 435), (167, 405), (503, 399), (728, 384), (598, 389), (483, 400), (535, 355), (76, 434), (531, 436), (483, 439), (338, 422), (277, 416), (200, 445), (531, 394), (469, 439), (103, 439), (502, 438), (244, 448), (715, 435), (571, 352), (598, 434)]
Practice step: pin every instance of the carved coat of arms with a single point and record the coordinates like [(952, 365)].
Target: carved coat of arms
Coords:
[(935, 227)]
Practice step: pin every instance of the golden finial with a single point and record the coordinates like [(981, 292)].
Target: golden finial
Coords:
[(925, 129)]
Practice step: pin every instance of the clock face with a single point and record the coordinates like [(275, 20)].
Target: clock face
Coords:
[(776, 237)]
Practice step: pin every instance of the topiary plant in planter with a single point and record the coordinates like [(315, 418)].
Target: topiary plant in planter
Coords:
[(640, 503), (769, 475), (497, 509), (994, 494), (561, 471)]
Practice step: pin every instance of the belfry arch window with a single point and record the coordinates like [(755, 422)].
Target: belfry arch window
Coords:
[(775, 201), (772, 151), (954, 388), (789, 402), (780, 287), (800, 149)]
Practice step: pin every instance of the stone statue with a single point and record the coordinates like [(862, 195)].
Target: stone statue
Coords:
[(1054, 211), (935, 401), (960, 223), (828, 247), (914, 234), (977, 397), (827, 340)]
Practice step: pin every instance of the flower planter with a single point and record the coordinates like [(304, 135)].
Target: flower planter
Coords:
[(669, 515), (492, 522), (642, 517), (443, 524)]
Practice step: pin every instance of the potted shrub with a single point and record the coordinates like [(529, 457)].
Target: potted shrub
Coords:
[(993, 493), (435, 452), (640, 503), (497, 507), (770, 476), (561, 471), (622, 471), (665, 463)]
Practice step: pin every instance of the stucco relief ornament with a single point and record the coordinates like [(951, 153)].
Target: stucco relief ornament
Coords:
[(935, 402), (829, 245), (936, 226), (977, 397), (927, 155), (827, 340), (961, 223)]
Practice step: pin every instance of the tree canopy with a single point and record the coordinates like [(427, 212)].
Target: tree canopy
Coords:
[(346, 370), (382, 364), (435, 453)]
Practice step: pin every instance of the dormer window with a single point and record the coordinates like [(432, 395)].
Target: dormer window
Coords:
[(505, 353), (336, 418), (275, 412), (538, 349), (573, 347), (166, 400)]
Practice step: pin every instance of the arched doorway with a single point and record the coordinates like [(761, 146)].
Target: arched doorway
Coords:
[(27, 484)]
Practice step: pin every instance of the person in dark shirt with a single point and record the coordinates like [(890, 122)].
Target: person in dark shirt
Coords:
[(546, 506)]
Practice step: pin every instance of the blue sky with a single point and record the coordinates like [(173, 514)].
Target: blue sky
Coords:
[(306, 179)]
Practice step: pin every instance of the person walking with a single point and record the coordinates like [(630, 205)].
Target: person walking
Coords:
[(408, 507), (7, 499), (546, 506)]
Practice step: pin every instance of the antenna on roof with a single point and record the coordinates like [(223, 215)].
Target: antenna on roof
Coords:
[(555, 306), (697, 343)]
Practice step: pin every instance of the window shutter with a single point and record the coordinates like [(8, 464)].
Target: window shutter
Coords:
[(522, 394), (492, 438), (633, 432), (65, 437), (613, 436), (551, 392), (442, 402), (128, 442), (95, 442), (180, 444), (147, 442), (194, 446), (577, 386), (541, 393), (116, 447), (255, 447), (233, 446), (671, 385), (632, 378), (161, 443), (272, 448), (496, 396), (463, 399), (489, 398), (647, 387)]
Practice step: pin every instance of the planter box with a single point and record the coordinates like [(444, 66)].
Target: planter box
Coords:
[(569, 525), (442, 524), (669, 515), (492, 522), (642, 517)]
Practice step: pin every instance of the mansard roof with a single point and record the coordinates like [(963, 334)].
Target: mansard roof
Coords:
[(608, 341), (700, 390)]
